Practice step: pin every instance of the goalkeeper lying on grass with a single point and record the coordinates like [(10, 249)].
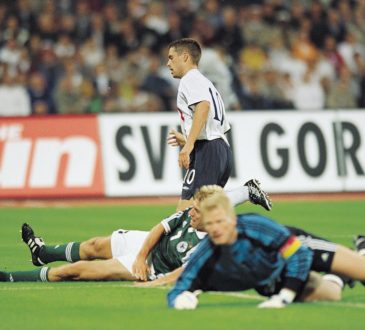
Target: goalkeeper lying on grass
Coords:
[(250, 251)]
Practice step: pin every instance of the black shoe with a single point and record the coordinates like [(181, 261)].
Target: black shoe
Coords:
[(359, 242), (257, 195), (347, 281), (3, 277), (34, 243)]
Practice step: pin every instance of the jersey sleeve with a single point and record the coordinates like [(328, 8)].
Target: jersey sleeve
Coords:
[(187, 280), (297, 269), (195, 90), (174, 220)]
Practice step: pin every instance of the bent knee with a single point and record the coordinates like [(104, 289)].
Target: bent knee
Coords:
[(96, 248)]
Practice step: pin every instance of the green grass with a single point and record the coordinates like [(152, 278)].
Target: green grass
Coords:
[(117, 305)]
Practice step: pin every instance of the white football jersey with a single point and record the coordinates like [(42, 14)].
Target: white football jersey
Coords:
[(195, 88)]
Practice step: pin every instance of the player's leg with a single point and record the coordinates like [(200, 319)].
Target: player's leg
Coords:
[(97, 270), (43, 254), (321, 288), (209, 164), (348, 263), (98, 247), (188, 188)]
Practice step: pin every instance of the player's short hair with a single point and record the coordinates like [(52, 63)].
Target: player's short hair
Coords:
[(206, 191), (216, 200), (189, 45)]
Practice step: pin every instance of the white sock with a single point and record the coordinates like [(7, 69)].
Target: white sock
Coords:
[(361, 252), (239, 195)]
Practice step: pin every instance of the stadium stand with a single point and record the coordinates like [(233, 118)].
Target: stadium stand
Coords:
[(92, 56)]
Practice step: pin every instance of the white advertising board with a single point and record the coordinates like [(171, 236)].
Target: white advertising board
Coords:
[(287, 151)]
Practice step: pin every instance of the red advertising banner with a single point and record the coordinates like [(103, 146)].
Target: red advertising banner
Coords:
[(50, 157)]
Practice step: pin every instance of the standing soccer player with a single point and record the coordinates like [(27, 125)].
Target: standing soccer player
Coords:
[(205, 152)]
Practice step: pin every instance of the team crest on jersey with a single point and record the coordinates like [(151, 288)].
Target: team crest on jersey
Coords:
[(182, 247)]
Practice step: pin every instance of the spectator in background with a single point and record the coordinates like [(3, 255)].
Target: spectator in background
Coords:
[(101, 81), (341, 95), (64, 47), (47, 29), (252, 57), (357, 26), (25, 15), (10, 54), (175, 30), (359, 79), (91, 53), (155, 18), (40, 108), (68, 97), (14, 97), (348, 48), (212, 13), (83, 21), (308, 93), (229, 34), (12, 30), (40, 97), (331, 53), (319, 27), (158, 86), (249, 96), (336, 27), (67, 25), (132, 98)]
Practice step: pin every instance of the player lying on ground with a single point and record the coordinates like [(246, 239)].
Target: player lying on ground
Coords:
[(130, 255), (251, 251)]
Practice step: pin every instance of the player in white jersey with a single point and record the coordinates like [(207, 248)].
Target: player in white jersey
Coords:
[(205, 152)]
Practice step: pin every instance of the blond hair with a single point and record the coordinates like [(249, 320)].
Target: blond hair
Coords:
[(216, 200), (206, 191)]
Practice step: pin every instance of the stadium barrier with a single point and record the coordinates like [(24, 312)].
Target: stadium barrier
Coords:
[(127, 154)]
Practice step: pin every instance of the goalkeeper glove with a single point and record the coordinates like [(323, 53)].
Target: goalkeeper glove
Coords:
[(280, 300), (186, 300)]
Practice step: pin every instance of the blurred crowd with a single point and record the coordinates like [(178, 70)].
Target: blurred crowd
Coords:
[(93, 56)]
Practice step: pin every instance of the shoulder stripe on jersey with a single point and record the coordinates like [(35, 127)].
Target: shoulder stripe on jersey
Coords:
[(165, 222)]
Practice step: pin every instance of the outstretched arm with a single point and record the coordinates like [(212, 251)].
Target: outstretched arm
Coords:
[(140, 268)]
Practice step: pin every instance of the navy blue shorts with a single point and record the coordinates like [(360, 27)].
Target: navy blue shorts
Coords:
[(211, 162)]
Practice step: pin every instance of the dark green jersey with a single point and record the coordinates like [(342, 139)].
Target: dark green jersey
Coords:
[(176, 245)]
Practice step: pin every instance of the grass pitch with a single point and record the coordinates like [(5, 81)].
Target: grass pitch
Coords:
[(119, 305)]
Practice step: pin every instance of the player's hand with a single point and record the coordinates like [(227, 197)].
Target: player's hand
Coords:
[(273, 302), (175, 139), (140, 269), (186, 300), (184, 156), (284, 298)]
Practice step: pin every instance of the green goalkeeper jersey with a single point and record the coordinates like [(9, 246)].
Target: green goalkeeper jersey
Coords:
[(179, 241)]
